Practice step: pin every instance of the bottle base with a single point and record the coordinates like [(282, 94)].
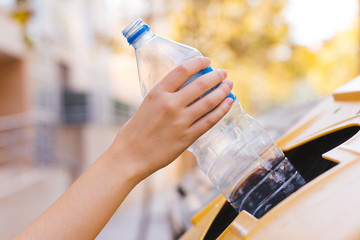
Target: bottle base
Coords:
[(265, 188)]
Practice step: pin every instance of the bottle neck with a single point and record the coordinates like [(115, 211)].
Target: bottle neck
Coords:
[(144, 38)]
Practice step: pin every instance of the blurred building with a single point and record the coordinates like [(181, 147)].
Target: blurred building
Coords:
[(25, 190), (71, 75), (14, 91), (57, 110)]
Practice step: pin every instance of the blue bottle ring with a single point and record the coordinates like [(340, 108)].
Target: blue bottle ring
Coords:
[(137, 34)]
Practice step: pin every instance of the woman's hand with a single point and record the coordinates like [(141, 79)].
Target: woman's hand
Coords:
[(165, 124)]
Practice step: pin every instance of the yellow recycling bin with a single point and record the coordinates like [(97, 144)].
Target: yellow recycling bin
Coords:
[(324, 146)]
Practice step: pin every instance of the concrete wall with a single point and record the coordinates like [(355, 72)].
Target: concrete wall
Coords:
[(14, 84), (14, 93), (15, 102)]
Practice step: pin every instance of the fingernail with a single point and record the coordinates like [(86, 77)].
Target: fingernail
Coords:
[(206, 59), (229, 101), (224, 72), (229, 83)]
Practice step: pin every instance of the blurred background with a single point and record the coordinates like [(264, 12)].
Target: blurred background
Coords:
[(68, 82)]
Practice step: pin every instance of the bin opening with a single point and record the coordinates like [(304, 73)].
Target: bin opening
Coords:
[(307, 158), (226, 215)]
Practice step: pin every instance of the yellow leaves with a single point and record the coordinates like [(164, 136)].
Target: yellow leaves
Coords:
[(22, 16), (252, 44)]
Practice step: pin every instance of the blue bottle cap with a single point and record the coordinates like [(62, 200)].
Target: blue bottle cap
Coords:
[(134, 30)]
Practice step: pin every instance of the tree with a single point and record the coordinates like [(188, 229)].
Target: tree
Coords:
[(251, 40)]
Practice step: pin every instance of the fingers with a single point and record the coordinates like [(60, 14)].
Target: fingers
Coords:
[(210, 101), (201, 85), (174, 80), (205, 123)]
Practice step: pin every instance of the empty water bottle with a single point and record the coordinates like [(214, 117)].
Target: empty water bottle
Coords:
[(236, 154)]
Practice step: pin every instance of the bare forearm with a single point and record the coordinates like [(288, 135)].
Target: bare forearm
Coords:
[(88, 204)]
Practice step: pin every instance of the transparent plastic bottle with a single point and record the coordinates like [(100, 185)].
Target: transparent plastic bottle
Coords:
[(236, 154)]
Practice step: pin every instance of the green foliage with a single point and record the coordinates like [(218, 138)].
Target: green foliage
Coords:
[(253, 44)]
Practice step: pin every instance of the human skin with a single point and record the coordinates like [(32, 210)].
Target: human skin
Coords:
[(164, 126)]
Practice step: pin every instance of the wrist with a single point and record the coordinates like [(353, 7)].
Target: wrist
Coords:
[(123, 160)]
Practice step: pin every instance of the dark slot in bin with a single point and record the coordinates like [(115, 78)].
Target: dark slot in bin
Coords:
[(307, 158), (224, 218)]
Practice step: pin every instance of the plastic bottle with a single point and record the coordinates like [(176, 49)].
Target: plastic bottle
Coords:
[(236, 154)]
